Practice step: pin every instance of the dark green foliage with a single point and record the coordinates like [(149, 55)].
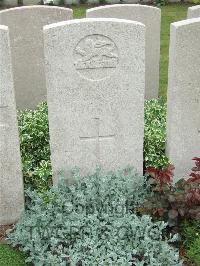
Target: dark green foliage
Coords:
[(35, 150), (83, 2), (160, 3), (102, 2), (92, 223), (10, 257), (191, 236), (155, 134)]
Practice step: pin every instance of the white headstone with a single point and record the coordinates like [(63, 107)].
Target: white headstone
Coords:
[(193, 12), (25, 26), (183, 117), (95, 81), (11, 181), (10, 2), (30, 2), (150, 17)]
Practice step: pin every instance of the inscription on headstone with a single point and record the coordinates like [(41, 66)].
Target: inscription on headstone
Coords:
[(97, 138), (95, 78), (96, 52), (150, 17)]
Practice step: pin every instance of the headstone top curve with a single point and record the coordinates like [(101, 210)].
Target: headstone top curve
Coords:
[(41, 7), (124, 6), (185, 22), (91, 20)]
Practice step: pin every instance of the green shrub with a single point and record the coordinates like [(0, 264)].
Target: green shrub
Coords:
[(191, 237), (34, 137), (10, 257), (35, 150), (155, 134), (92, 223), (160, 3), (196, 2)]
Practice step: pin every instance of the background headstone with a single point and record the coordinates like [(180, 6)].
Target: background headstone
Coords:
[(193, 12), (150, 17), (11, 181), (95, 71), (26, 36), (183, 112), (30, 2), (10, 2)]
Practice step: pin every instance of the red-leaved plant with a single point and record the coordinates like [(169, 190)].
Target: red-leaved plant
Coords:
[(174, 202)]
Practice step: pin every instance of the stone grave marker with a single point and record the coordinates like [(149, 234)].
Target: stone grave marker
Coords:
[(11, 181), (95, 70), (183, 112), (26, 36), (151, 18), (193, 12)]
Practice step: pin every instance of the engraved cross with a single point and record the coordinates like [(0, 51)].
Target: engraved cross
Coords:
[(97, 137)]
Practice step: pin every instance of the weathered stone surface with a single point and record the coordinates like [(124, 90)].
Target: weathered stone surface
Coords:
[(25, 25), (10, 2), (150, 17), (95, 72), (193, 12), (11, 182), (30, 2), (183, 118)]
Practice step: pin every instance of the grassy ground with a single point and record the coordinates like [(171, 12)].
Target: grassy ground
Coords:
[(10, 257), (170, 13)]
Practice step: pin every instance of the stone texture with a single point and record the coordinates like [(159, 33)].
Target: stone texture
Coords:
[(193, 12), (11, 182), (183, 117), (25, 25), (150, 17), (10, 2), (30, 2), (95, 71)]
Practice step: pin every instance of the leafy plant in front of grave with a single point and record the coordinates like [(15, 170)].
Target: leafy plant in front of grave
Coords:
[(35, 150), (91, 222), (174, 202), (190, 232), (155, 134), (34, 137)]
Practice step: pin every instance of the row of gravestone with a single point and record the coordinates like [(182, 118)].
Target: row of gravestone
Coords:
[(95, 79), (25, 26), (14, 3)]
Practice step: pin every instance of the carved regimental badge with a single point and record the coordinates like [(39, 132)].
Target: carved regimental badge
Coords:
[(96, 56)]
